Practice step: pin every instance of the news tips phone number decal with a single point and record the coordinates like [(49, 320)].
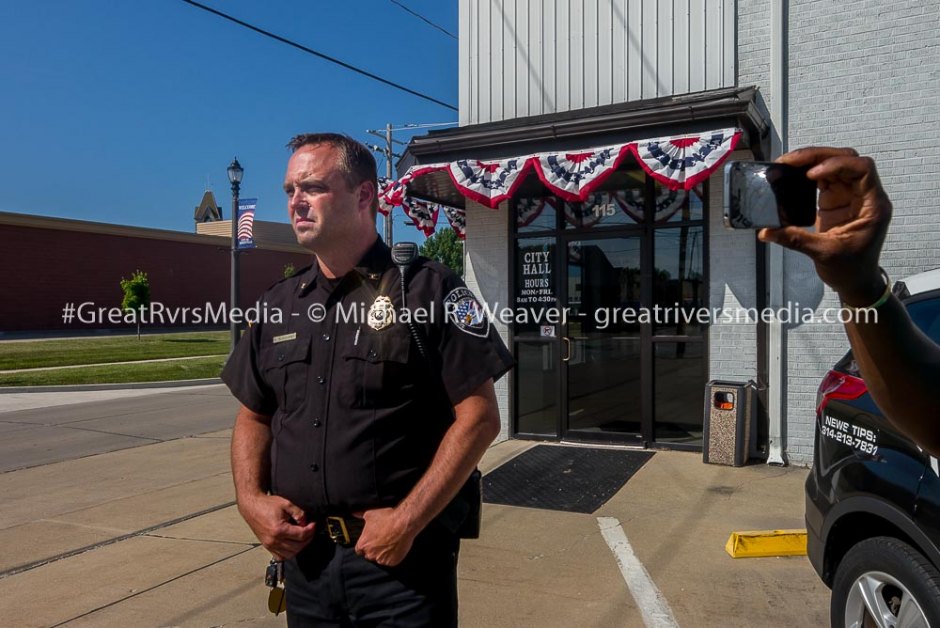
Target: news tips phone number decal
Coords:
[(858, 438)]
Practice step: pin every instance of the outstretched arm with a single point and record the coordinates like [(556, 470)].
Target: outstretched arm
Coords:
[(901, 366)]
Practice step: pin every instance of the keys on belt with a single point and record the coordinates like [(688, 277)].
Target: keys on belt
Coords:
[(344, 531), (274, 578)]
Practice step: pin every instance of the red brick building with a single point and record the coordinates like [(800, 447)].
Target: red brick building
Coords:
[(49, 262)]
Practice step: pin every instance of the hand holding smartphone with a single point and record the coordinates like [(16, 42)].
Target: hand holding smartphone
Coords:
[(763, 194)]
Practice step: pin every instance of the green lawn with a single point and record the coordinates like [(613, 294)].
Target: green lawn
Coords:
[(38, 353), (119, 373)]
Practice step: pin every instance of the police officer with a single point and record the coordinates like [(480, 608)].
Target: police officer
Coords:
[(351, 442)]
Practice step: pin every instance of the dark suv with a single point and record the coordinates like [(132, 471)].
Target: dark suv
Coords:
[(873, 496)]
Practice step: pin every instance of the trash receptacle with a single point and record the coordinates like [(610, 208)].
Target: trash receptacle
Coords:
[(728, 422)]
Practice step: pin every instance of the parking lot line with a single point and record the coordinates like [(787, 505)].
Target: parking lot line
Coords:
[(652, 605)]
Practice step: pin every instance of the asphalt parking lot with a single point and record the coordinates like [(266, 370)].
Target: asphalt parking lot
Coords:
[(118, 511)]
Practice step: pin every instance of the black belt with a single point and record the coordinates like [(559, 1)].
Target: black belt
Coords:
[(343, 531)]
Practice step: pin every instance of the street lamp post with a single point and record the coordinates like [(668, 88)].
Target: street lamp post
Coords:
[(235, 173)]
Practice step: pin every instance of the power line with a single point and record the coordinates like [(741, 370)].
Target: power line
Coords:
[(421, 17), (425, 125), (320, 54)]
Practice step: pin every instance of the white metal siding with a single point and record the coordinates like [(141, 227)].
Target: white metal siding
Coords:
[(528, 57)]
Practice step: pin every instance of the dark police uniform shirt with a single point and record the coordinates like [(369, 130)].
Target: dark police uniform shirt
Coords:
[(358, 413)]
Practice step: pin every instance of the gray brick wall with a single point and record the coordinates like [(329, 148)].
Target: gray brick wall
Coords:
[(486, 260), (862, 74), (732, 346), (754, 45)]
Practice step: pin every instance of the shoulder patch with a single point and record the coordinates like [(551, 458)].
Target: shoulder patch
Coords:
[(465, 312)]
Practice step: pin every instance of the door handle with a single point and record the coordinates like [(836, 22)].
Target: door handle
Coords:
[(567, 342)]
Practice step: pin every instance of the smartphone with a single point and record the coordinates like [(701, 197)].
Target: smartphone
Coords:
[(763, 194)]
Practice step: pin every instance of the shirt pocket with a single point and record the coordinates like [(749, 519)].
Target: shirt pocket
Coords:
[(378, 368), (286, 367)]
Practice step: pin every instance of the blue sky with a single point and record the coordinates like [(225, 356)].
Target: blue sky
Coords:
[(119, 111)]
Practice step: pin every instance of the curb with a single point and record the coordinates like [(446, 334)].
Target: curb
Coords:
[(766, 543), (126, 386)]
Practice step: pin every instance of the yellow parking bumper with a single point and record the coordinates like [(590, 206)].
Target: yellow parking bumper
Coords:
[(764, 543)]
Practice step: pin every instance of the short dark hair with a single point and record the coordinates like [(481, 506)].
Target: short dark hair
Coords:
[(356, 160)]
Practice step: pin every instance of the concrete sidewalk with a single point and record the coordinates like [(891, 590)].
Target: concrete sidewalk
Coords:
[(541, 568), (197, 564), (30, 400)]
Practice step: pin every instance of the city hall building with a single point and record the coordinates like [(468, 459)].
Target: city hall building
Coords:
[(586, 177)]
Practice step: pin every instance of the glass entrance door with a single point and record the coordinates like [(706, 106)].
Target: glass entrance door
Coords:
[(601, 342), (629, 362)]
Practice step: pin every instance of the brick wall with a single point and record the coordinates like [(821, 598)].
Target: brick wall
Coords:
[(865, 75), (754, 45), (486, 264), (43, 269), (732, 274)]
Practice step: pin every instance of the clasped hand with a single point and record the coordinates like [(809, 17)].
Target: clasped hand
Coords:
[(385, 538), (280, 525)]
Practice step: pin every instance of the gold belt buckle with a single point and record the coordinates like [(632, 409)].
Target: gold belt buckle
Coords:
[(336, 529)]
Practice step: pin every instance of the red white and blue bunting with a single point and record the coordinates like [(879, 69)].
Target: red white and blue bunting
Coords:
[(531, 208), (573, 176), (423, 214), (489, 183), (684, 162), (585, 214), (678, 163), (458, 220), (667, 203), (388, 189)]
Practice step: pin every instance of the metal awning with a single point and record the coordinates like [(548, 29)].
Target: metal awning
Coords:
[(577, 153), (678, 163)]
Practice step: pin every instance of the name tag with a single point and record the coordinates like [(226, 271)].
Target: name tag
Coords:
[(285, 337)]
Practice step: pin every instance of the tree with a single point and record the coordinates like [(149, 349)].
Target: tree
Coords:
[(136, 295), (288, 270), (445, 247)]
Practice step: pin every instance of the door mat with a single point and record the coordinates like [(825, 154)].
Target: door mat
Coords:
[(572, 479)]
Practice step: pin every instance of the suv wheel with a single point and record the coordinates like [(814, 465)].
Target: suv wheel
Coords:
[(886, 583)]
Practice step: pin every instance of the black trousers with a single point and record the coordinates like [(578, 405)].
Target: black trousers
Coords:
[(329, 585)]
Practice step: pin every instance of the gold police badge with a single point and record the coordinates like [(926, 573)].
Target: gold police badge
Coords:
[(381, 314)]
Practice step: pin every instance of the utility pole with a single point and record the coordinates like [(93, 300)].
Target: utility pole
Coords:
[(388, 174), (390, 153)]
